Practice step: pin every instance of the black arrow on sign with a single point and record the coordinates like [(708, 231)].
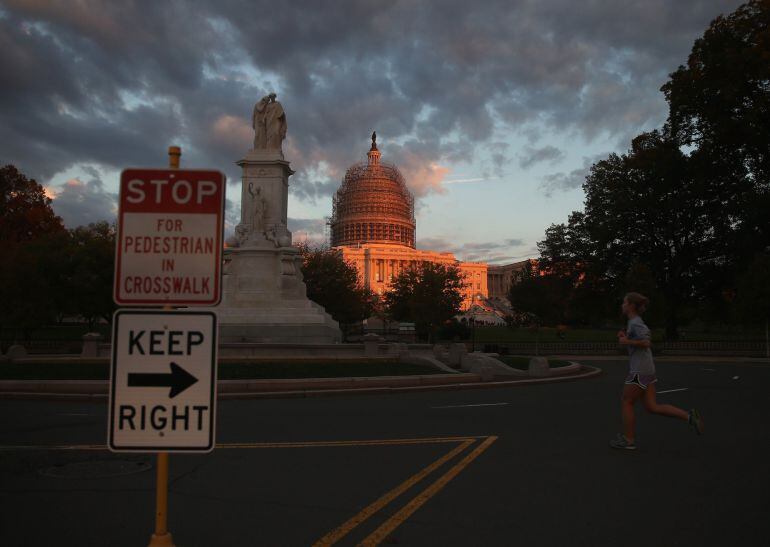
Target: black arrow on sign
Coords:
[(178, 380)]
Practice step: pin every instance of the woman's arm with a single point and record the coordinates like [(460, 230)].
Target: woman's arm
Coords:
[(623, 340)]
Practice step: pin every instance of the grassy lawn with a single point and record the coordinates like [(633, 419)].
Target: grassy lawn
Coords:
[(522, 363), (227, 371)]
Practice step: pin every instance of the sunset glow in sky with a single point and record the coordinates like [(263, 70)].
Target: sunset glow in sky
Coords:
[(493, 110)]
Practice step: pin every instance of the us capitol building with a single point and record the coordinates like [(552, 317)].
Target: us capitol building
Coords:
[(373, 225)]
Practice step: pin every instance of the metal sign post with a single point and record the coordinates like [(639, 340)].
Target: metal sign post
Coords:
[(163, 373)]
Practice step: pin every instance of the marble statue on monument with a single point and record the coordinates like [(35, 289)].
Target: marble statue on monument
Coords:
[(264, 297), (269, 123)]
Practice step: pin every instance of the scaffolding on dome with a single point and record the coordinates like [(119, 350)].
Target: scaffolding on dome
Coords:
[(373, 205)]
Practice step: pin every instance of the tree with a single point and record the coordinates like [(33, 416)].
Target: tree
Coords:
[(334, 284), (427, 295), (719, 105), (91, 272), (686, 206), (33, 245), (754, 294), (570, 273), (720, 101), (647, 207), (25, 210), (536, 295), (33, 282)]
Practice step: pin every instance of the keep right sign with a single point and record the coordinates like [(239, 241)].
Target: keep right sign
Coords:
[(163, 381)]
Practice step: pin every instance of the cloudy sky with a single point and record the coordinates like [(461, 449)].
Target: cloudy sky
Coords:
[(493, 110)]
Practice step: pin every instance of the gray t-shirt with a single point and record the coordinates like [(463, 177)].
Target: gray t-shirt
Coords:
[(640, 359)]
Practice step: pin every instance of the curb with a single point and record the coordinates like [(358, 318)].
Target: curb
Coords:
[(680, 359), (468, 381)]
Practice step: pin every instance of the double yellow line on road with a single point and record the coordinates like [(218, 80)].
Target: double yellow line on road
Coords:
[(298, 444), (387, 527)]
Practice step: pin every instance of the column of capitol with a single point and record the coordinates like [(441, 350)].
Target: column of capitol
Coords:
[(373, 224)]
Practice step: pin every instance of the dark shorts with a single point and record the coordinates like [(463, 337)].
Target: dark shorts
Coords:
[(641, 380)]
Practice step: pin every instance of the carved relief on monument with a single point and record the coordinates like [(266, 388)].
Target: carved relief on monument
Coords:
[(259, 208)]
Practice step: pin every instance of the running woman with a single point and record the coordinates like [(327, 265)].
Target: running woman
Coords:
[(640, 382)]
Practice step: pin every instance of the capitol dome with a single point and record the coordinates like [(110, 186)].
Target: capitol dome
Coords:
[(373, 205)]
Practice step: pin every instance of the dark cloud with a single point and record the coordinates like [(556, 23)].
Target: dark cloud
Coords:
[(531, 156), (114, 83), (566, 181), (491, 251), (80, 203), (562, 182)]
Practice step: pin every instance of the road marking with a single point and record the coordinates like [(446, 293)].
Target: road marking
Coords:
[(377, 442), (467, 406), (381, 533), (341, 531), (673, 390), (338, 533), (11, 447), (308, 444)]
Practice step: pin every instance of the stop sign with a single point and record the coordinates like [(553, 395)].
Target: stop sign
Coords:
[(170, 237)]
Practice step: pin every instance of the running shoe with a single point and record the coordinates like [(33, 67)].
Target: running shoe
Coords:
[(620, 442), (695, 421)]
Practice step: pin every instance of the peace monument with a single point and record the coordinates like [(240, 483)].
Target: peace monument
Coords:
[(264, 297)]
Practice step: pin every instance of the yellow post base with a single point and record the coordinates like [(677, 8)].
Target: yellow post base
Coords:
[(163, 540)]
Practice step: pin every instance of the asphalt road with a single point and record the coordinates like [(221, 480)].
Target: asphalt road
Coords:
[(525, 465)]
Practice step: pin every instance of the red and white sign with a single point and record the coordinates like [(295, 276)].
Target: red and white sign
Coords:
[(169, 250)]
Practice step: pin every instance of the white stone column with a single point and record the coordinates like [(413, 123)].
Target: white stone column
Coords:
[(264, 297)]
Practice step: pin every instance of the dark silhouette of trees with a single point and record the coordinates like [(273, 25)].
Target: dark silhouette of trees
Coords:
[(427, 295), (91, 268), (32, 245), (49, 272), (682, 213), (753, 292), (25, 210)]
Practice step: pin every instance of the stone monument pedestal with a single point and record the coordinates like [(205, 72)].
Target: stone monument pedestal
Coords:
[(264, 298)]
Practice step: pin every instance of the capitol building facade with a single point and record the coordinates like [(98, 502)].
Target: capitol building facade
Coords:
[(373, 224)]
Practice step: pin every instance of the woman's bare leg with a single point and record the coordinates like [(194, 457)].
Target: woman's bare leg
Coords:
[(630, 394), (652, 406)]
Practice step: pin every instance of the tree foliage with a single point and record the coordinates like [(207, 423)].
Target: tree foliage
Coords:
[(91, 268), (753, 293), (63, 274), (334, 284), (427, 295), (49, 272), (682, 213), (25, 210)]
